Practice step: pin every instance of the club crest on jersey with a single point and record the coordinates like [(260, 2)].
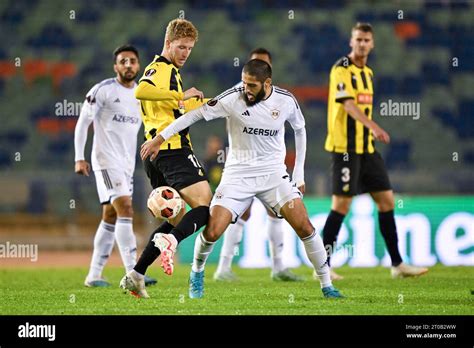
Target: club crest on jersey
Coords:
[(150, 72), (275, 114), (212, 102)]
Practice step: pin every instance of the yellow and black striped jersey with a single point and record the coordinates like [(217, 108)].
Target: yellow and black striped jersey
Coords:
[(161, 95), (348, 81)]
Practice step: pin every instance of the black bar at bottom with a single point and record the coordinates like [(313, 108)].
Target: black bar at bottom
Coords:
[(88, 331)]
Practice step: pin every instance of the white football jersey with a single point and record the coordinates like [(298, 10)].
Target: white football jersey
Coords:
[(257, 132), (116, 115)]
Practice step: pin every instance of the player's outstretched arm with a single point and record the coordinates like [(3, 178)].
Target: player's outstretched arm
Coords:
[(213, 109), (353, 111), (152, 147)]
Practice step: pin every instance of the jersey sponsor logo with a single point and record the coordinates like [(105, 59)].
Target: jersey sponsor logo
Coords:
[(212, 102), (125, 119), (261, 131), (364, 98), (275, 114)]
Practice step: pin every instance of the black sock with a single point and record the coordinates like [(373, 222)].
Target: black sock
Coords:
[(151, 252), (330, 232), (191, 222), (389, 233)]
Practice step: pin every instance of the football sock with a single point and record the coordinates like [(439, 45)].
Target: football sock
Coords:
[(317, 255), (230, 245), (191, 222), (151, 252), (103, 244), (330, 232), (275, 238), (126, 241), (389, 233), (202, 249)]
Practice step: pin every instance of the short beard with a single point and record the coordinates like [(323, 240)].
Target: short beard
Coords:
[(128, 79), (260, 95)]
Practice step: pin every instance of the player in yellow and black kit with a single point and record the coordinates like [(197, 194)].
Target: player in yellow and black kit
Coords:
[(163, 100), (356, 166)]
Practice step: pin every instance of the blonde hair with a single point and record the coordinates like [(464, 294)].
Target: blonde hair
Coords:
[(181, 28)]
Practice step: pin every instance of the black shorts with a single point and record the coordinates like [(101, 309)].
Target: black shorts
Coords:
[(176, 168), (353, 174)]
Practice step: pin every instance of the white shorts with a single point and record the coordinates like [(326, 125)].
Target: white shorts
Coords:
[(236, 193), (113, 183)]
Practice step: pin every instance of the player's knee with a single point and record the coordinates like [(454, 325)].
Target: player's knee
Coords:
[(211, 234), (342, 205), (128, 211), (125, 209), (306, 229), (385, 206), (109, 215)]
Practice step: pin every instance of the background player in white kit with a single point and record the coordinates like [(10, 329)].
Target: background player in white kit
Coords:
[(112, 107), (255, 166), (274, 226)]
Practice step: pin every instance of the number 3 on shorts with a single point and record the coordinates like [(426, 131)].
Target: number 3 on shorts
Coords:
[(195, 161), (346, 174)]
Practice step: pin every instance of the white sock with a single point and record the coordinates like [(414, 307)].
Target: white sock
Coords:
[(126, 241), (275, 238), (103, 245), (202, 250), (230, 246), (317, 255)]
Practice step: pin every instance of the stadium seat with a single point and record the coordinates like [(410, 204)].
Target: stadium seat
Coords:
[(33, 69), (89, 14), (16, 138), (13, 14), (52, 35), (433, 73), (411, 86), (37, 202), (5, 158), (445, 116), (61, 70), (465, 124), (385, 85), (398, 155)]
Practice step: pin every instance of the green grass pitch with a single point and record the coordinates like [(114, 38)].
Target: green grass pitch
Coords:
[(444, 290)]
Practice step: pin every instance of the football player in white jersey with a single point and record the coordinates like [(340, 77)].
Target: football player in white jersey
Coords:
[(255, 166), (111, 106), (234, 233)]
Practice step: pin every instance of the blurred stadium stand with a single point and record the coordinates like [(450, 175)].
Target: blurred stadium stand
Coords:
[(54, 51)]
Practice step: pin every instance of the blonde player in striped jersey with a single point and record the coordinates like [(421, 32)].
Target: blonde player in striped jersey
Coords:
[(112, 107)]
